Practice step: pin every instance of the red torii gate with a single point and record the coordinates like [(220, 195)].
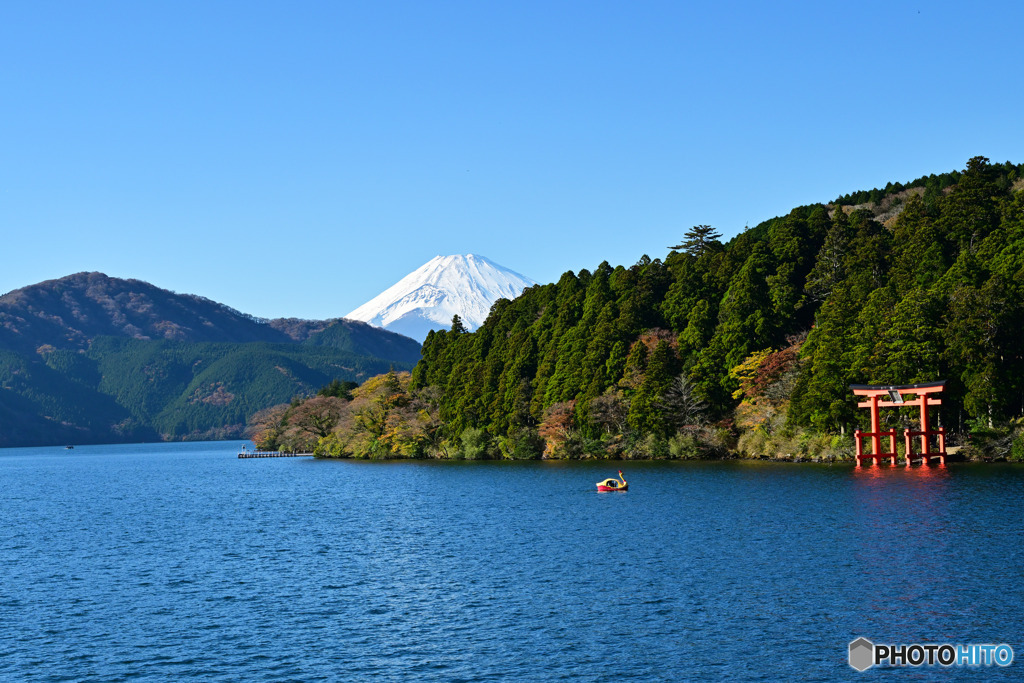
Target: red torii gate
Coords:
[(875, 392)]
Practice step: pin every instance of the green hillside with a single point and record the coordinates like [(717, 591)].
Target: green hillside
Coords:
[(759, 338), (41, 405), (89, 358), (362, 339), (136, 390), (231, 383)]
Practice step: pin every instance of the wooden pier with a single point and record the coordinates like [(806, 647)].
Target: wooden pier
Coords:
[(272, 454)]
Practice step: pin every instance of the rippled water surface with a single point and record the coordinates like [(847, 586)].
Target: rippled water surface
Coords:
[(179, 561)]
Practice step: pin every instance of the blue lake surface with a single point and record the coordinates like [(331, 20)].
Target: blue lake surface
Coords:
[(180, 561)]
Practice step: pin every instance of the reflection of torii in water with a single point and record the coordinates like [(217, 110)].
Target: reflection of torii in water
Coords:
[(895, 395)]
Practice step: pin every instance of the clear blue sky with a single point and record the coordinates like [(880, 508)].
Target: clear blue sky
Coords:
[(296, 158)]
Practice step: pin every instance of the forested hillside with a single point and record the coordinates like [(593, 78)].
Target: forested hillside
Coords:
[(751, 345), (89, 358)]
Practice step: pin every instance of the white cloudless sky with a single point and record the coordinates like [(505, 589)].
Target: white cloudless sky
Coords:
[(296, 159)]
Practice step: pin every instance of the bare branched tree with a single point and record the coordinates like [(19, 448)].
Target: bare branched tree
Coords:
[(609, 411), (683, 408)]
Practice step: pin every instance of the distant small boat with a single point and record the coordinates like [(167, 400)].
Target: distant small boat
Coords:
[(613, 484), (70, 448)]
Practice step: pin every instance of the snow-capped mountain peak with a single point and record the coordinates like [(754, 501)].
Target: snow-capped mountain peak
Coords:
[(427, 298)]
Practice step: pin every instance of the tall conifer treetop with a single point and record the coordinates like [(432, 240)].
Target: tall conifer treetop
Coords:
[(698, 240)]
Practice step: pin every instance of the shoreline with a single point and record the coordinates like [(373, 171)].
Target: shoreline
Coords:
[(792, 460), (953, 457)]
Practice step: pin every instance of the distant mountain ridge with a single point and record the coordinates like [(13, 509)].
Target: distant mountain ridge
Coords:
[(71, 311), (90, 358), (427, 298)]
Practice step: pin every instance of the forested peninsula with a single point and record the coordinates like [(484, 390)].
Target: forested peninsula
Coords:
[(744, 348)]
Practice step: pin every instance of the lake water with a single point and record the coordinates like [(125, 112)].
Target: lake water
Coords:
[(179, 561)]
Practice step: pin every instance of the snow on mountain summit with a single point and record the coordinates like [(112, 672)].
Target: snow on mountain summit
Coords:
[(427, 298)]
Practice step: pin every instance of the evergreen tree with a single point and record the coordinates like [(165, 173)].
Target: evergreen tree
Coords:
[(910, 347), (699, 239), (822, 399), (969, 213), (645, 417), (867, 262), (829, 268), (919, 249)]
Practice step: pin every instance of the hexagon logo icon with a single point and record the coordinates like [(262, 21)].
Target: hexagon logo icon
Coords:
[(862, 654)]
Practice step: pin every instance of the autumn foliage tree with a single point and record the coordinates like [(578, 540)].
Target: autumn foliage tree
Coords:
[(385, 419), (558, 429), (765, 380), (267, 427), (296, 428)]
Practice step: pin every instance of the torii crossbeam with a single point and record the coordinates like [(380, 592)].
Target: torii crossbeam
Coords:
[(894, 394)]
